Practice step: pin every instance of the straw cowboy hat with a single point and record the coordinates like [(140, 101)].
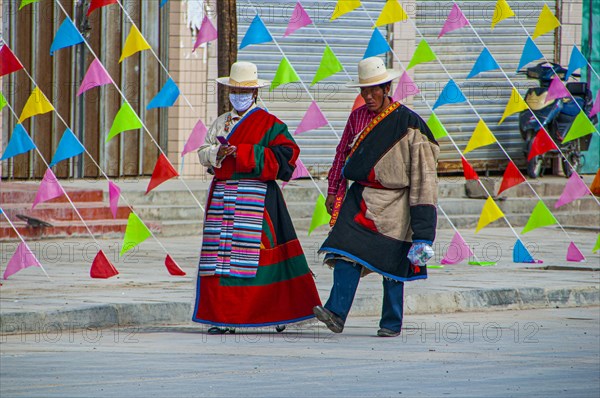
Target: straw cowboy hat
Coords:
[(244, 75), (372, 72)]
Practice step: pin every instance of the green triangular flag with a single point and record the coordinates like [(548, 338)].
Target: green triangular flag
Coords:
[(126, 119), (581, 126), (423, 53), (3, 101), (597, 246), (285, 74), (540, 217), (482, 263), (320, 215), (330, 65), (436, 127), (25, 2), (135, 233)]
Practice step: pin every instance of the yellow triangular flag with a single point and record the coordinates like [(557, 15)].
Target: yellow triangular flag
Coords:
[(547, 22), (490, 213), (482, 136), (37, 104), (344, 7), (501, 12), (392, 12), (135, 43), (515, 104)]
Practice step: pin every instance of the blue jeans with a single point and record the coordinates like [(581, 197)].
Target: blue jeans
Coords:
[(346, 276)]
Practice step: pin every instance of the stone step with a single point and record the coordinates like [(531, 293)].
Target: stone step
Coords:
[(12, 192), (51, 212)]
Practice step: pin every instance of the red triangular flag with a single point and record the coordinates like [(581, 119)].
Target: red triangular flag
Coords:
[(470, 173), (163, 171), (358, 102), (512, 177), (172, 267), (102, 268), (99, 3), (8, 62), (542, 143)]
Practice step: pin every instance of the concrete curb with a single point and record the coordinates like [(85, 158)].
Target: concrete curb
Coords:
[(52, 323)]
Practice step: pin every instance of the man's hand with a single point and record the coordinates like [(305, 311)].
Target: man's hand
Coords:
[(420, 253), (225, 150), (329, 202)]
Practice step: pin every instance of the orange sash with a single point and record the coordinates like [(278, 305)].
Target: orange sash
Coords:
[(339, 199)]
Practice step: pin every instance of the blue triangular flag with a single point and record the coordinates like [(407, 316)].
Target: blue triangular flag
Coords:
[(257, 33), (484, 63), (66, 36), (521, 254), (68, 147), (531, 52), (451, 94), (163, 2), (19, 143), (377, 45), (576, 61), (166, 96)]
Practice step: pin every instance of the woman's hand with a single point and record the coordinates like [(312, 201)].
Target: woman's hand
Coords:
[(226, 150)]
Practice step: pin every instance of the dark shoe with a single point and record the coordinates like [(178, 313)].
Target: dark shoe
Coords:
[(384, 332), (331, 320), (218, 330)]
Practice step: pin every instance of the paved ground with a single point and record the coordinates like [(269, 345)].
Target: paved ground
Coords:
[(529, 353)]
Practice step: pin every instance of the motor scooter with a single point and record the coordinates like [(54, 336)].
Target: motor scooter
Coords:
[(556, 117)]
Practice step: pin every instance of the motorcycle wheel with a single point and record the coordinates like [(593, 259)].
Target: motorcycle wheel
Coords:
[(535, 166)]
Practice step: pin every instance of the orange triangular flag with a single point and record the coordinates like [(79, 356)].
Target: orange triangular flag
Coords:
[(163, 171), (470, 173), (512, 177), (102, 268), (358, 102), (172, 267)]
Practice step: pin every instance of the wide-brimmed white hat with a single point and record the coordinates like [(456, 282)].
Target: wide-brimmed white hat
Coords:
[(372, 72), (244, 75)]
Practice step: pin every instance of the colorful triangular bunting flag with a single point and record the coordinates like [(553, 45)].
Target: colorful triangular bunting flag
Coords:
[(3, 101), (575, 188), (135, 233), (66, 36), (8, 61), (135, 43), (95, 76), (521, 254), (556, 90), (541, 144), (19, 143), (102, 268), (451, 94), (114, 192), (515, 104), (392, 12), (22, 258), (437, 128), (547, 22), (126, 119), (377, 45), (597, 245), (163, 171), (172, 267), (501, 12), (580, 127), (49, 189), (257, 33), (576, 61), (95, 4), (68, 147), (482, 136), (405, 88), (512, 177), (456, 20), (343, 7), (26, 2), (329, 66), (530, 53), (596, 107), (540, 217), (166, 97), (313, 119), (37, 104), (358, 102), (285, 74), (468, 170), (423, 53), (457, 251), (320, 215), (490, 213), (574, 254), (299, 172), (299, 19), (206, 33), (485, 62), (196, 138)]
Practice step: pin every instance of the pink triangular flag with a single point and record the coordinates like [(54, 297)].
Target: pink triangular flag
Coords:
[(49, 188), (556, 90), (96, 76), (195, 139), (458, 250), (102, 268), (172, 267), (206, 33), (299, 172), (298, 20), (406, 87), (313, 119), (113, 197), (574, 254), (21, 259), (574, 189), (456, 20), (596, 107)]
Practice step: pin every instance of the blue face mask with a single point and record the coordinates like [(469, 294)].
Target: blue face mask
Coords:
[(241, 101)]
